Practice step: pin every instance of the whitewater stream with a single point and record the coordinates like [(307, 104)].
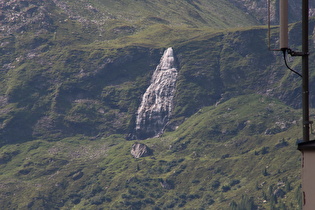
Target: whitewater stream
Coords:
[(157, 101)]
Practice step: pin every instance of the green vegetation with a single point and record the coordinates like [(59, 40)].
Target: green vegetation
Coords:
[(72, 78), (141, 13), (185, 169)]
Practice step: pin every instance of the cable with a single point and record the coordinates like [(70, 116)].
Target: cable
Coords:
[(285, 61), (269, 35)]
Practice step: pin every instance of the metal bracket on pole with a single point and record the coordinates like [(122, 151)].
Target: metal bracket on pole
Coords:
[(293, 53)]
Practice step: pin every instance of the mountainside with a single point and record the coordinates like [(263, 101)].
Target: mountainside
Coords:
[(81, 82), (239, 147)]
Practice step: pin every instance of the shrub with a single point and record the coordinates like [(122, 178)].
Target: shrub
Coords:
[(225, 188), (98, 200), (225, 156), (265, 150), (195, 181), (234, 182), (215, 185)]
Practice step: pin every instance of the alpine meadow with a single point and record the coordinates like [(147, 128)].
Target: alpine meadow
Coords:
[(150, 104)]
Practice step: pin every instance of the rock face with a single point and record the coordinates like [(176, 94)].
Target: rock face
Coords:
[(140, 150), (19, 16), (258, 9), (156, 105)]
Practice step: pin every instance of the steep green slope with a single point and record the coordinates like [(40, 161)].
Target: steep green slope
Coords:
[(59, 89), (245, 147), (72, 76)]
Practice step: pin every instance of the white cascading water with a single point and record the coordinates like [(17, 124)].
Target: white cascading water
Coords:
[(156, 105)]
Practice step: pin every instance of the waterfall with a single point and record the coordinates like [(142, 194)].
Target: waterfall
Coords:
[(157, 101)]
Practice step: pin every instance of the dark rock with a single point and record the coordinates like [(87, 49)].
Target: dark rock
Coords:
[(77, 175), (279, 193), (166, 184), (25, 171)]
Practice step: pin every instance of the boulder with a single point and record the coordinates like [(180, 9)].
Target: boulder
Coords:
[(140, 150)]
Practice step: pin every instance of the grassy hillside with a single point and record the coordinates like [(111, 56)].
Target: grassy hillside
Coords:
[(241, 149), (134, 15), (57, 89), (72, 76)]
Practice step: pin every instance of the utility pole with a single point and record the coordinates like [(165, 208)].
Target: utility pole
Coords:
[(307, 147), (305, 71), (284, 46)]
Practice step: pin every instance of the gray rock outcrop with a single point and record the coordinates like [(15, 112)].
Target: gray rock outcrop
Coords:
[(140, 150)]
